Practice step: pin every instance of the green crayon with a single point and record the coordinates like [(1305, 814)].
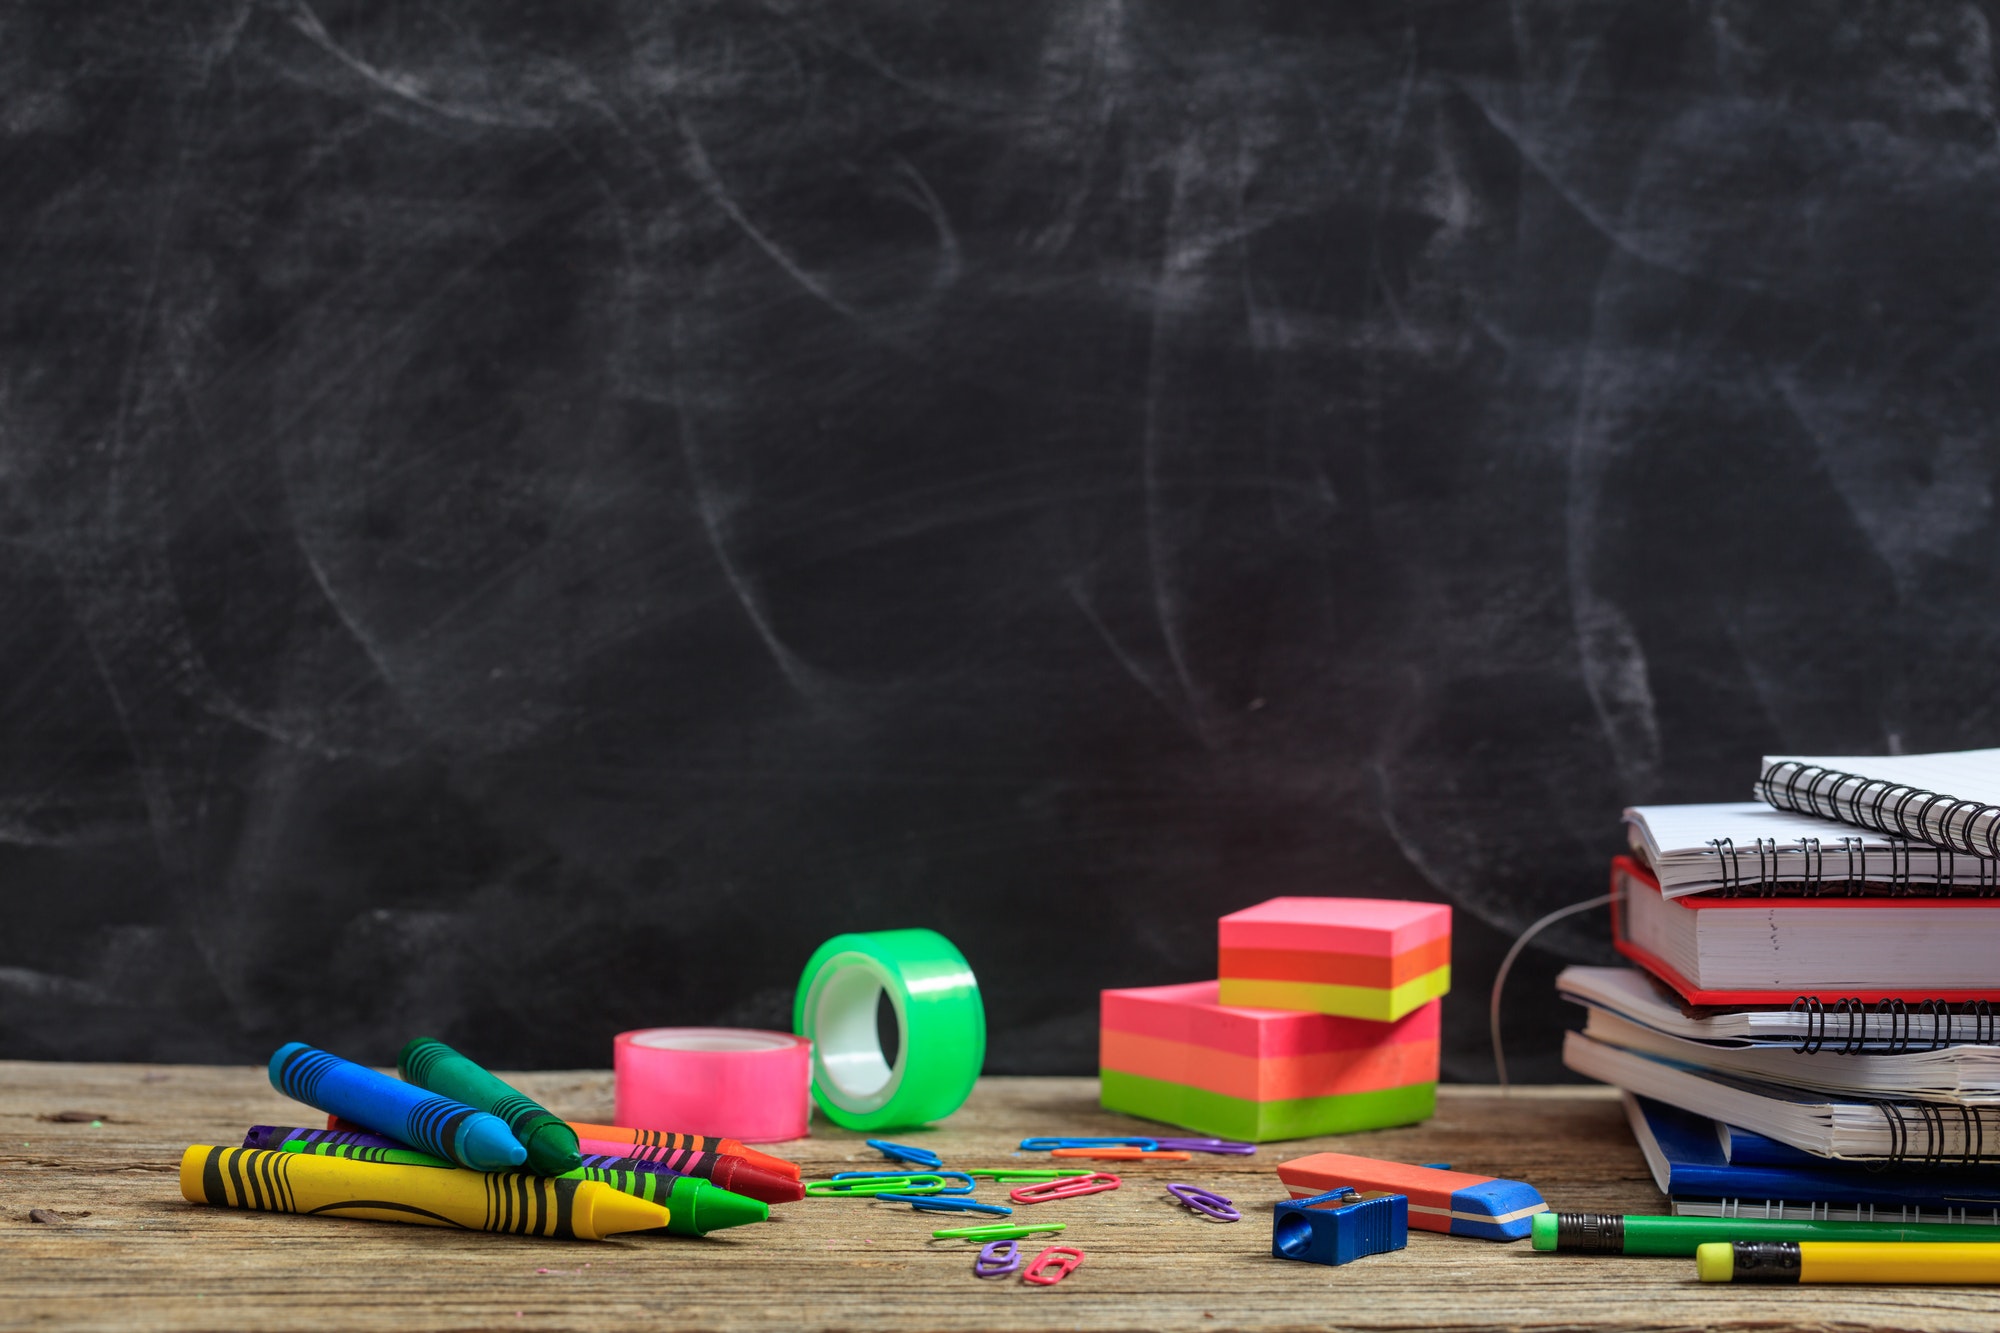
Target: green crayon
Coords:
[(696, 1206), (436, 1067)]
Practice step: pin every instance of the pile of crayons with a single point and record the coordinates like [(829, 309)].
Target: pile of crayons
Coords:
[(453, 1146)]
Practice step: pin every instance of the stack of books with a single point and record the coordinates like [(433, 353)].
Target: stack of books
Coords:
[(1324, 1020), (1813, 1025)]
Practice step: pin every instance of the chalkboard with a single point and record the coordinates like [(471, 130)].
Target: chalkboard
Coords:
[(522, 519)]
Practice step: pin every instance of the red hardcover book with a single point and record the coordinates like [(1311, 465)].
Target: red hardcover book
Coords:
[(1759, 952)]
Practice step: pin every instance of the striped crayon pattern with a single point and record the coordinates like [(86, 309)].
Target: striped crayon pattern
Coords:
[(358, 1152), (659, 1138), (681, 1161), (652, 1186), (432, 1123), (514, 1202), (636, 1165), (277, 1136), (523, 1115)]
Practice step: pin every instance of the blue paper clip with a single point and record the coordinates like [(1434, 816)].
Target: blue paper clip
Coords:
[(1047, 1145), (932, 1203), (899, 1152)]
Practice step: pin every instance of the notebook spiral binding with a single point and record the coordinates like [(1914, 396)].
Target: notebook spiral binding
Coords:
[(1888, 807), (1759, 877), (1903, 1023), (1934, 1119)]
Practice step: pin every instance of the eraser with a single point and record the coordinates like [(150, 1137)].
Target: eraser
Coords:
[(1455, 1202)]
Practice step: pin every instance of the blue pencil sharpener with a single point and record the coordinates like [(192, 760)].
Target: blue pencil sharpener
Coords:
[(1325, 1230)]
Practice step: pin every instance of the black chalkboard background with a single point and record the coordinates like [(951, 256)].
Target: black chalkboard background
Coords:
[(519, 520)]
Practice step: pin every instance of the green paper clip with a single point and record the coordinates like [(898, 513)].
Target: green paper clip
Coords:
[(863, 1187), (1023, 1173), (1001, 1232)]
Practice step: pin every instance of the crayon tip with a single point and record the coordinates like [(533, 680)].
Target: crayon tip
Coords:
[(486, 1144), (613, 1211), (700, 1206), (739, 1177), (552, 1150), (777, 1166), (277, 1062)]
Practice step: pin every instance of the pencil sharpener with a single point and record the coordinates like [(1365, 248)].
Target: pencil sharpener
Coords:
[(1340, 1226)]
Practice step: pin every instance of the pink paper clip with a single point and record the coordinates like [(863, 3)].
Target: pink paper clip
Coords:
[(1069, 1187), (1064, 1260)]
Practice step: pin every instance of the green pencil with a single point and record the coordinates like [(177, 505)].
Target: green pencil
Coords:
[(1608, 1233)]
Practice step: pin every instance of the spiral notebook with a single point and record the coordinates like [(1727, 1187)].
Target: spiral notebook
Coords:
[(1950, 800), (1833, 953), (1748, 847), (1821, 1125)]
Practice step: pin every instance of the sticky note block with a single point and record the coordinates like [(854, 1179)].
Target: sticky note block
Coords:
[(1366, 958), (1455, 1202), (1171, 1053)]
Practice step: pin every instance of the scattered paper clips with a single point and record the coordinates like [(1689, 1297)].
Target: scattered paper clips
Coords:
[(1050, 1144), (902, 1152), (938, 1203), (868, 1184), (997, 1258), (1206, 1202), (1121, 1154), (1069, 1187), (998, 1231)]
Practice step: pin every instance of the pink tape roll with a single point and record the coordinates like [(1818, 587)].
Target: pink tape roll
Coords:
[(736, 1083)]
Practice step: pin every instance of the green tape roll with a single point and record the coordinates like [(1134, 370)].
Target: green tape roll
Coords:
[(938, 1011)]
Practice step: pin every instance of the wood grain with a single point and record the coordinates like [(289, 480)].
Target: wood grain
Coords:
[(135, 1255)]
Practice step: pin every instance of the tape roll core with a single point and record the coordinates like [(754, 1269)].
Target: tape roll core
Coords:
[(938, 1012)]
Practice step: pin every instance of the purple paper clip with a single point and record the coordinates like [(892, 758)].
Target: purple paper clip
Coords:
[(997, 1258), (1206, 1202), (1206, 1145)]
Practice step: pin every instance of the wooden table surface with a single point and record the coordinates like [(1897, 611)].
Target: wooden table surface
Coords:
[(136, 1255)]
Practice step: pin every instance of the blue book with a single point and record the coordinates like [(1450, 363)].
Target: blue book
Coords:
[(1685, 1153)]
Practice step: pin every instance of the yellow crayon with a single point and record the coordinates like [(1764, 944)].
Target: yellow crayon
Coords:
[(1908, 1263), (512, 1202)]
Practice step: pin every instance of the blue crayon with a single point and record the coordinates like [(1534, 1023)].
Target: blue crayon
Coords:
[(421, 1120), (273, 1137)]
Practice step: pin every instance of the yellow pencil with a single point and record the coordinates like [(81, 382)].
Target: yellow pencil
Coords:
[(1901, 1262), (514, 1202)]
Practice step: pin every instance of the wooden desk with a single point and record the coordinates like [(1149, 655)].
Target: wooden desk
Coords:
[(144, 1258)]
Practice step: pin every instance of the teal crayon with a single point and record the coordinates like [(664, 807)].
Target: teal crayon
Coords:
[(549, 1141), (430, 1123)]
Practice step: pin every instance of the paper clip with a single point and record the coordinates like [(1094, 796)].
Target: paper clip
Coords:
[(938, 1203), (997, 1258), (866, 1184), (892, 1176), (898, 1152), (1064, 1259), (1122, 1155), (1070, 1187), (1209, 1145), (997, 1231), (1206, 1202), (1043, 1145), (1025, 1173)]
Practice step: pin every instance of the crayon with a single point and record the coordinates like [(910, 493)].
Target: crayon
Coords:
[(1608, 1233), (277, 1136), (696, 1206), (423, 1120), (361, 1152), (513, 1202), (436, 1067), (1920, 1263), (730, 1173), (659, 1138)]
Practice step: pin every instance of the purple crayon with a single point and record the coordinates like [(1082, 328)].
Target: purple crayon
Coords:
[(273, 1137)]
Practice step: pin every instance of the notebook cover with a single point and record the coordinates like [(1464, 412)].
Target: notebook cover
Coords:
[(1624, 867)]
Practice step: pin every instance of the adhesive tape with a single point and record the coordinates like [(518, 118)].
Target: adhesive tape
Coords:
[(735, 1083), (938, 1012)]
